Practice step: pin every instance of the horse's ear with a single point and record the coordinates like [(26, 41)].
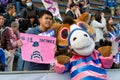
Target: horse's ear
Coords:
[(55, 26), (84, 17)]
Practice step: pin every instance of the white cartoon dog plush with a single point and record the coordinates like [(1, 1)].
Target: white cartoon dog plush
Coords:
[(86, 62)]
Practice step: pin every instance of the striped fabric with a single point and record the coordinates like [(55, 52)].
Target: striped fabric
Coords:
[(112, 35), (87, 68)]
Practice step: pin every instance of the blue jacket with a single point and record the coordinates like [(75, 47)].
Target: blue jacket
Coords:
[(36, 30)]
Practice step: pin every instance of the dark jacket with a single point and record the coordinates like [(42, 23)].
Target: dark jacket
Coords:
[(9, 39), (9, 19), (24, 25), (27, 10), (71, 14)]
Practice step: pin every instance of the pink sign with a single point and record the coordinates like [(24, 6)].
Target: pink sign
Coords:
[(38, 49)]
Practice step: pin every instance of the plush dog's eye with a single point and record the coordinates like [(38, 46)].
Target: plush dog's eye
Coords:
[(74, 38), (85, 35)]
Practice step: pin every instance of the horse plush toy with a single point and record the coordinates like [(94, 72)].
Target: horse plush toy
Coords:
[(63, 30), (86, 63)]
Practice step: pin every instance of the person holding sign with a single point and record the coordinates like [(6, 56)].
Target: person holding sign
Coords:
[(45, 20)]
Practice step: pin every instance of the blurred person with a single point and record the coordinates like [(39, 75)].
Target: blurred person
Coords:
[(20, 4), (77, 11), (118, 10), (45, 20), (11, 14), (17, 53), (9, 43), (2, 54), (30, 22), (111, 29), (98, 24), (71, 12), (111, 4), (30, 8)]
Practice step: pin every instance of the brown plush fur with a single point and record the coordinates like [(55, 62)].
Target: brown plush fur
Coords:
[(62, 59), (84, 17), (105, 51), (64, 54)]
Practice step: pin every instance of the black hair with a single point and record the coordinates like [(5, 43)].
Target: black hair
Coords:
[(1, 14), (68, 20), (42, 12), (31, 15), (98, 17), (72, 5)]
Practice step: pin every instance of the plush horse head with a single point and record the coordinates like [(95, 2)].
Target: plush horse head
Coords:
[(80, 41), (62, 31)]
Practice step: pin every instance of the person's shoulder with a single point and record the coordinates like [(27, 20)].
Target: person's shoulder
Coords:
[(69, 11), (5, 14), (6, 30), (24, 9), (32, 30)]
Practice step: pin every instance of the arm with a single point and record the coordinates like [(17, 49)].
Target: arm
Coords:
[(23, 13), (62, 64), (61, 68), (100, 25), (37, 12), (8, 19), (68, 4), (69, 13), (12, 38), (6, 40), (107, 61)]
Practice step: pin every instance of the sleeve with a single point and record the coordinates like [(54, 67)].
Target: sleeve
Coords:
[(59, 68), (11, 40), (107, 61), (100, 25), (68, 4), (69, 13), (6, 40), (23, 13), (37, 12), (30, 31), (2, 56), (8, 19)]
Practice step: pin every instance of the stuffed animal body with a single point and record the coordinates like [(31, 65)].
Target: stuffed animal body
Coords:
[(86, 62)]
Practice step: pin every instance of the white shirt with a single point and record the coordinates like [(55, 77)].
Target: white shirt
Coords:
[(98, 27)]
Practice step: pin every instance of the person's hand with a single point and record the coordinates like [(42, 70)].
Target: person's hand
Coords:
[(19, 42), (14, 14), (11, 51), (102, 14)]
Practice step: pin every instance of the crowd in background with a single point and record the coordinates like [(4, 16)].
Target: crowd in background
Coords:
[(22, 16)]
